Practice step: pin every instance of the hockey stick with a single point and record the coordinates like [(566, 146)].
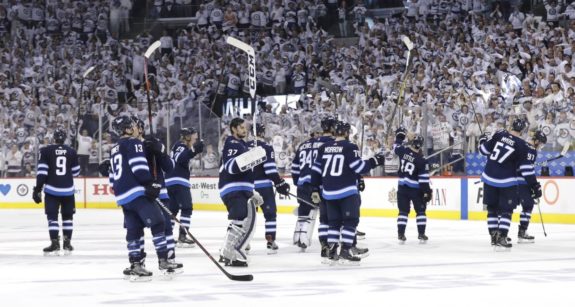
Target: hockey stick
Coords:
[(249, 50), (84, 75), (248, 277), (147, 55), (561, 155), (409, 46), (304, 201), (541, 217)]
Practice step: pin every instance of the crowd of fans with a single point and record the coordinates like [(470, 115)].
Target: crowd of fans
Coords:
[(475, 65)]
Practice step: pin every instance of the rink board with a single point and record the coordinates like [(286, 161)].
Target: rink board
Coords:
[(453, 197)]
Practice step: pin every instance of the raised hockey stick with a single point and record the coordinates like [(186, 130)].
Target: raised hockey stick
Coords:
[(247, 277), (409, 44), (541, 216), (561, 155), (249, 50), (147, 55), (84, 75)]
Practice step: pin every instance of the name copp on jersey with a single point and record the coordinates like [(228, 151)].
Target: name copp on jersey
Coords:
[(413, 168), (57, 165), (305, 157), (336, 169), (231, 178), (266, 174), (130, 171), (180, 175), (506, 156)]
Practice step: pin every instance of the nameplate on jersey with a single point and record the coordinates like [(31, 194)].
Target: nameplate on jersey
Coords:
[(251, 158)]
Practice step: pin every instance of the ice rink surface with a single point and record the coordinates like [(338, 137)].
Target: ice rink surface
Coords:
[(457, 267)]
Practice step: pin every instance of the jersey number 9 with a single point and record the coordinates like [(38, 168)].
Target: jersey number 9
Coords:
[(61, 165)]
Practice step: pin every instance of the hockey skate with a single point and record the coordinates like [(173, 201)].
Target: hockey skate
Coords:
[(346, 257), (401, 239), (422, 238), (53, 249), (332, 257), (324, 253), (493, 235), (501, 244), (137, 272), (524, 237), (359, 235), (359, 252), (67, 246), (185, 242), (168, 268), (272, 247)]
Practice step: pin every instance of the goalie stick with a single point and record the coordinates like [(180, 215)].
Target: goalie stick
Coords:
[(247, 277), (147, 55), (249, 50)]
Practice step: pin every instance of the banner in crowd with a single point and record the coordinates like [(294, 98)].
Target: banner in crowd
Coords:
[(245, 105), (476, 163)]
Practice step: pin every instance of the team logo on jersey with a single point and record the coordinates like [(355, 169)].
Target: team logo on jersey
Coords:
[(22, 190), (5, 189)]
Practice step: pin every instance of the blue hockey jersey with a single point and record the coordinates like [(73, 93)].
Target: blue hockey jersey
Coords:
[(180, 175), (413, 168), (129, 170), (57, 165), (163, 165), (305, 157), (527, 171), (506, 155), (231, 178), (336, 169), (266, 174)]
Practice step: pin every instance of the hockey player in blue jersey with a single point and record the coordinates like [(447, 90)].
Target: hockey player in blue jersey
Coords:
[(57, 165), (413, 186), (507, 154), (335, 172), (159, 163), (526, 197), (178, 180), (301, 174), (266, 176), (136, 192), (236, 186)]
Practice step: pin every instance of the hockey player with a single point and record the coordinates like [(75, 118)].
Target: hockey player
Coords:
[(159, 163), (265, 177), (57, 165), (135, 191), (178, 180), (413, 186), (507, 153), (335, 170), (525, 196), (236, 186), (301, 174)]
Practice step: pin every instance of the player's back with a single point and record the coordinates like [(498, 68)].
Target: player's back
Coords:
[(413, 168), (338, 179), (303, 161), (59, 163), (130, 170), (505, 153), (180, 174), (527, 168)]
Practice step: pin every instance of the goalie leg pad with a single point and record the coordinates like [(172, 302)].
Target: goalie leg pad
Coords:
[(304, 229), (239, 235)]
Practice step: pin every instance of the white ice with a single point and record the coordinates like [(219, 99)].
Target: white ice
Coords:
[(456, 268)]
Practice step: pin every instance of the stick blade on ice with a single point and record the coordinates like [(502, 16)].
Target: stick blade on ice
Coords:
[(152, 49)]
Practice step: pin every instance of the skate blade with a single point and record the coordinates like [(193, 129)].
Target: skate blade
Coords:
[(359, 238), (52, 254), (345, 262), (330, 262), (525, 241), (401, 242), (272, 251), (364, 255), (501, 249), (325, 260), (167, 275), (422, 241), (66, 253), (136, 278), (185, 245)]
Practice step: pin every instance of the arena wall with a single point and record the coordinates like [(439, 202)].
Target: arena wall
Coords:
[(457, 198)]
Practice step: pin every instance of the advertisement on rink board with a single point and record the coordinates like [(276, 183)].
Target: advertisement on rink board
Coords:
[(379, 198)]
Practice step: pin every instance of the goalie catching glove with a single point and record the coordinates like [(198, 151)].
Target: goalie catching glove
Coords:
[(282, 187)]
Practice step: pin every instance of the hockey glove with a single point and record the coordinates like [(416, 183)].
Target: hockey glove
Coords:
[(154, 146), (483, 138), (256, 199), (536, 190), (198, 147), (153, 190), (377, 160), (283, 187), (427, 196), (37, 194), (400, 134), (315, 197), (360, 184), (105, 168)]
